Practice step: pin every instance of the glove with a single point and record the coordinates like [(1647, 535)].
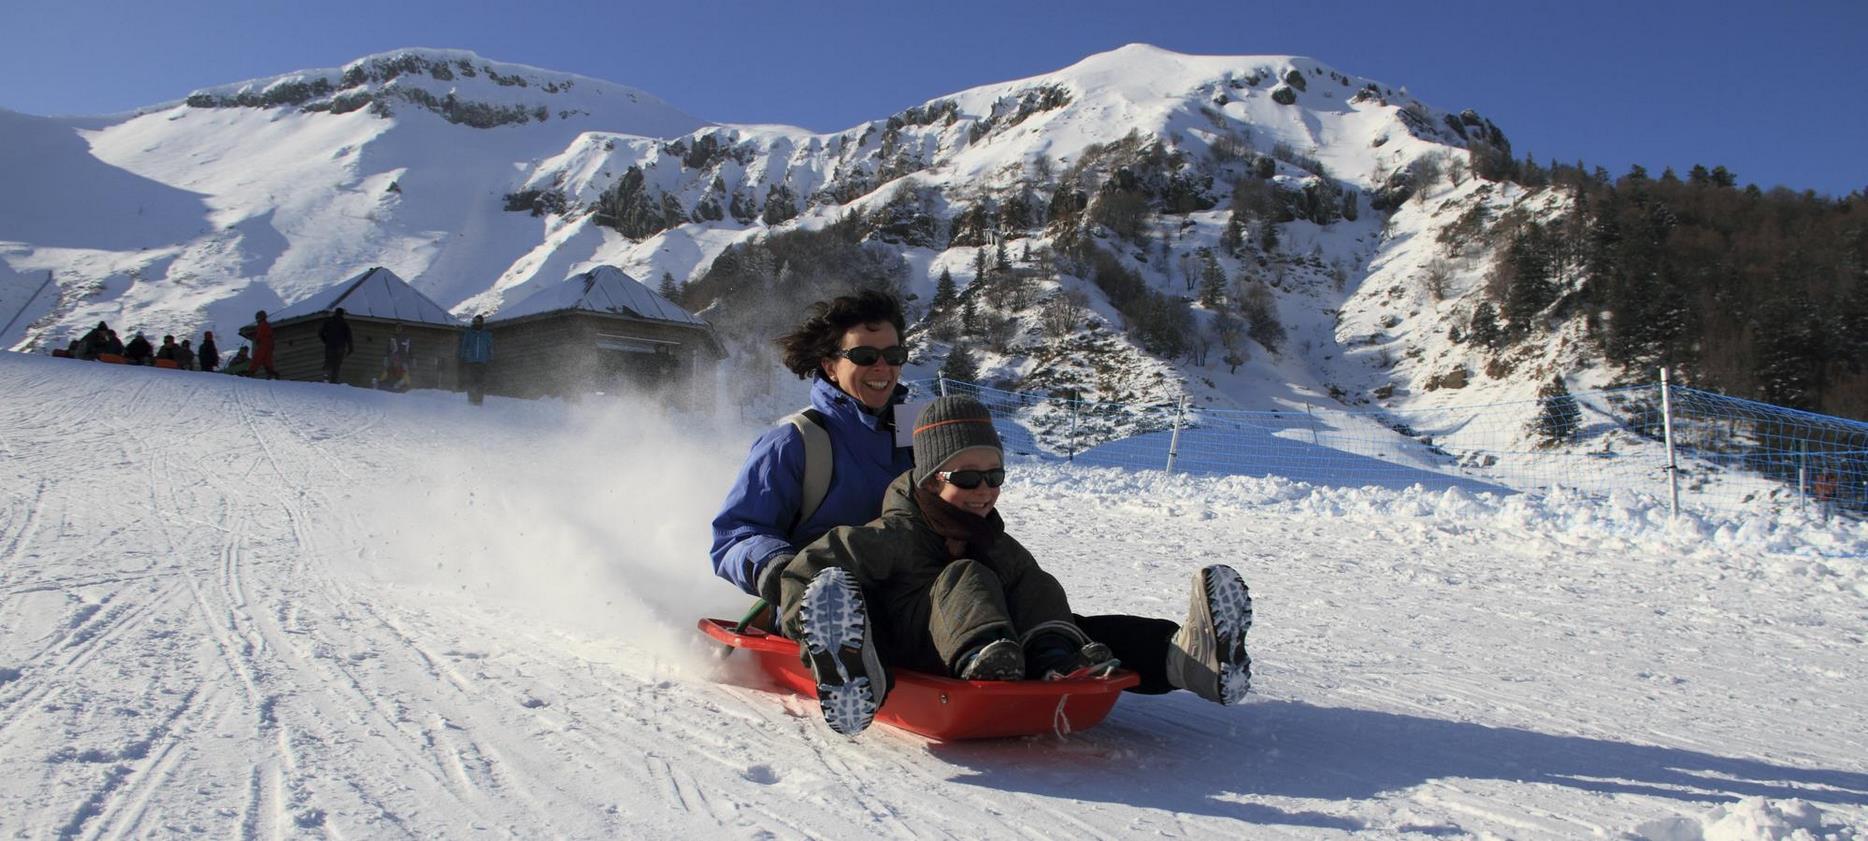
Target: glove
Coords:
[(769, 578)]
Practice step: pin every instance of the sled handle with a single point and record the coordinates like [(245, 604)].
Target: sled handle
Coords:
[(759, 617)]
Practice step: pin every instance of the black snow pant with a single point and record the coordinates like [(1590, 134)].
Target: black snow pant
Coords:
[(473, 375), (1139, 642), (333, 363), (928, 629)]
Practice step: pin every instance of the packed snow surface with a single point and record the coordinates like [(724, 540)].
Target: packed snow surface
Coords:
[(243, 609)]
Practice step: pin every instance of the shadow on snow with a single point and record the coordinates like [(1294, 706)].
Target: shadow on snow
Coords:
[(1177, 754)]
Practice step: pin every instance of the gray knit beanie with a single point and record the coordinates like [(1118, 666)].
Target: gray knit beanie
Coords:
[(949, 426)]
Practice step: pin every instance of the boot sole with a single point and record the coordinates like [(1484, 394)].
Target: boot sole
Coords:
[(1001, 663), (1229, 602), (837, 641)]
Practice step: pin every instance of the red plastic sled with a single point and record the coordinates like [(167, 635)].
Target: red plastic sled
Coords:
[(946, 709)]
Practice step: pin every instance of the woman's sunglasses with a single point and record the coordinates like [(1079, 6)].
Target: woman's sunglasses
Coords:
[(866, 355), (967, 480)]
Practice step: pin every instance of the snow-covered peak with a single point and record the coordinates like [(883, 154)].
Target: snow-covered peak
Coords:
[(1190, 102), (461, 86)]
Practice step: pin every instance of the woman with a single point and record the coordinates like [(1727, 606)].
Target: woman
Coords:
[(850, 348), (953, 594)]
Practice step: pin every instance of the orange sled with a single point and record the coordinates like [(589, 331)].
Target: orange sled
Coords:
[(948, 709)]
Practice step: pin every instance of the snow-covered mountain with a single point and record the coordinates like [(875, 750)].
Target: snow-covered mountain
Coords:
[(1331, 199)]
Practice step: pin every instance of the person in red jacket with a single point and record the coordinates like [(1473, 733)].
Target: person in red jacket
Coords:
[(262, 347)]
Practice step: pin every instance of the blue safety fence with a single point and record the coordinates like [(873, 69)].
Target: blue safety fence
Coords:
[(1728, 453)]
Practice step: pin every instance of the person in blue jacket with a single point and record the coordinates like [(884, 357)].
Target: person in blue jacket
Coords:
[(850, 348), (475, 351)]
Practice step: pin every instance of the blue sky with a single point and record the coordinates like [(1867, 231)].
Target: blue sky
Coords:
[(1772, 91)]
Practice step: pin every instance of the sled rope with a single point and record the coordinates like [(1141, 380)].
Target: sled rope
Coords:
[(1060, 723)]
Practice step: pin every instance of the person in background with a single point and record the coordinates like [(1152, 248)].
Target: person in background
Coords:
[(1825, 492), (475, 352), (116, 344), (170, 351), (262, 346), (138, 351), (335, 334), (209, 355), (241, 364), (186, 358), (395, 370), (95, 342)]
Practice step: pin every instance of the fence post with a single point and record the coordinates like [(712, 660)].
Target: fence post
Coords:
[(1313, 424), (1174, 441), (941, 381), (1803, 472), (1673, 465)]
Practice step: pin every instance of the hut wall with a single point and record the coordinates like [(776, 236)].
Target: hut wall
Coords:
[(298, 353), (434, 351), (573, 353)]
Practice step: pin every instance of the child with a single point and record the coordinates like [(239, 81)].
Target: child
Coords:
[(240, 365), (936, 585)]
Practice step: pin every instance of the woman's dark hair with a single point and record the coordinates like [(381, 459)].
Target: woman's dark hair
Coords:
[(820, 333)]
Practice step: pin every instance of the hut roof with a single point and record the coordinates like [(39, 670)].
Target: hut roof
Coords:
[(604, 289), (375, 293)]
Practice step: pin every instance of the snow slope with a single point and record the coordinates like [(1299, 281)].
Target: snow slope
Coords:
[(233, 608)]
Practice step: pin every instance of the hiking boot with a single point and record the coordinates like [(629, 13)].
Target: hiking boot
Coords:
[(1207, 656), (997, 660), (1054, 658), (841, 650)]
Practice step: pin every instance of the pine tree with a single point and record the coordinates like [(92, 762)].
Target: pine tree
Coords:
[(1000, 261), (1212, 280), (1558, 418), (1485, 326), (1790, 352), (668, 288), (944, 291), (1233, 237), (960, 365), (1531, 288), (969, 316)]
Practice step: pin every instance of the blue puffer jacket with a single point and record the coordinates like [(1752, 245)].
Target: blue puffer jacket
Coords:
[(476, 346), (755, 523)]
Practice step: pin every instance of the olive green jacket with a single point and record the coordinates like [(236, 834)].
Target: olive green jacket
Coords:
[(928, 608)]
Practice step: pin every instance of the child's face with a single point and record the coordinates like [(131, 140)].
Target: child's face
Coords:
[(979, 500)]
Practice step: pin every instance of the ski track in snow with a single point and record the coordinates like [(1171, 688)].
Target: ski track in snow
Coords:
[(262, 610)]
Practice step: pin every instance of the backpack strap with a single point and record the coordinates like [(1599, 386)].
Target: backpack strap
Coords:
[(818, 461)]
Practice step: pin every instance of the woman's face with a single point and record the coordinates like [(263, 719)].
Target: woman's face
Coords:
[(872, 385), (979, 500)]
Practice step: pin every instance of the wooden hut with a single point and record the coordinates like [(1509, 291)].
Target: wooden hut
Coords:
[(376, 303), (600, 331)]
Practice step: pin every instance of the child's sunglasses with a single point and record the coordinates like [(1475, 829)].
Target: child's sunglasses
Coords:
[(866, 355), (967, 480)]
